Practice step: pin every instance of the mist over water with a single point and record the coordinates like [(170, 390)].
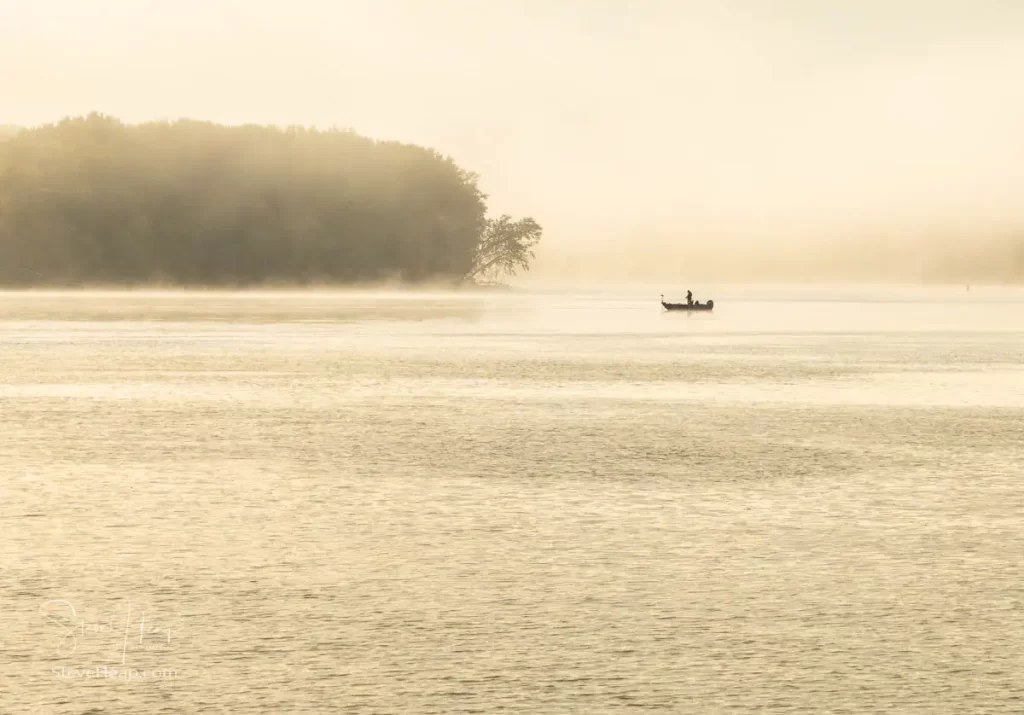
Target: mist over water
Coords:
[(776, 140), (539, 501)]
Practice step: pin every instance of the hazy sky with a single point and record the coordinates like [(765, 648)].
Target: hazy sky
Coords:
[(614, 123)]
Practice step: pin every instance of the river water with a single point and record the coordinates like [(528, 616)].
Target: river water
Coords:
[(808, 501)]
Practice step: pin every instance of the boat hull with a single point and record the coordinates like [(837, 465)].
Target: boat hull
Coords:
[(710, 305)]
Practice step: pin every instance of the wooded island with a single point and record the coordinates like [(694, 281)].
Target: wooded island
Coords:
[(93, 200)]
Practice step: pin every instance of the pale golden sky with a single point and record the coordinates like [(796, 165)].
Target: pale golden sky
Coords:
[(630, 121)]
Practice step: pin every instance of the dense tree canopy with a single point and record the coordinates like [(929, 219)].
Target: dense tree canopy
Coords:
[(93, 200)]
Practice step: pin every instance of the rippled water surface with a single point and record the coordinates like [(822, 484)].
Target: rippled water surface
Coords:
[(809, 501)]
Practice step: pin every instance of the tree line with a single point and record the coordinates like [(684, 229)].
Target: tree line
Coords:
[(92, 200)]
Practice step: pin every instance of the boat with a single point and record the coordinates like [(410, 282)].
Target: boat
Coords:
[(696, 305)]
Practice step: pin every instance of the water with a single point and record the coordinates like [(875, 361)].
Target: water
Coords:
[(809, 501)]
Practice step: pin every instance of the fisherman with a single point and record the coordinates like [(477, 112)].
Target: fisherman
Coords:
[(689, 297)]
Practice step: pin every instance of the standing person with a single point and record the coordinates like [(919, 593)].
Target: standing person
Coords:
[(689, 298)]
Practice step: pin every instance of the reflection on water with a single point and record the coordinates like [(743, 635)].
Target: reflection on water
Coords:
[(236, 307), (808, 501)]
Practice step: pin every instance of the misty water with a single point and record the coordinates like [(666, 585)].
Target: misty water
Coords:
[(807, 501)]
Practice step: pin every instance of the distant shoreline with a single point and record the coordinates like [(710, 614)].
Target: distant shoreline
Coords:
[(277, 287), (596, 287), (197, 204)]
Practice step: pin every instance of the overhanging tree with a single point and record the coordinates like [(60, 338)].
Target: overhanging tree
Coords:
[(505, 246)]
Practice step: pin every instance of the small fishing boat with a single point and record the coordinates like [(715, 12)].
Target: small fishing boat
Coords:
[(696, 305)]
